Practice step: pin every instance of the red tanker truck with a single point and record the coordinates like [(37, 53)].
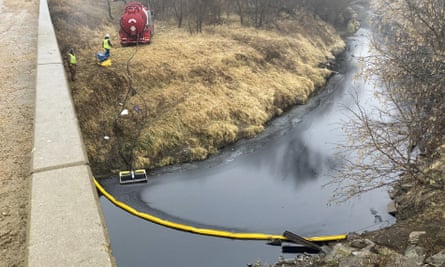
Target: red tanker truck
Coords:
[(136, 24)]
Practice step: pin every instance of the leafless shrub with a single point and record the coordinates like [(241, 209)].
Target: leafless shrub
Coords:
[(400, 138)]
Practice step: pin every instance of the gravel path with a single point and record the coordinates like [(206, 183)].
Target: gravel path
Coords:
[(18, 49)]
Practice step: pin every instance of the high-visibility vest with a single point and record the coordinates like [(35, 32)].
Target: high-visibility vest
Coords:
[(73, 59), (106, 44)]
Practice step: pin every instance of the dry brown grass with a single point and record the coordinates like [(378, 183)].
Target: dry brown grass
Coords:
[(197, 93)]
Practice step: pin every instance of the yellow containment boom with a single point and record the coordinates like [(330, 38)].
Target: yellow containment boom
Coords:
[(204, 231)]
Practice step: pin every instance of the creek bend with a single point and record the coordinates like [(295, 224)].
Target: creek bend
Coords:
[(268, 184)]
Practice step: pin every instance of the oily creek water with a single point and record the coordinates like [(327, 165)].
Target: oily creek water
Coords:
[(270, 184)]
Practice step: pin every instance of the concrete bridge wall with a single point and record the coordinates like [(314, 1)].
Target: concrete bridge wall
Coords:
[(66, 225)]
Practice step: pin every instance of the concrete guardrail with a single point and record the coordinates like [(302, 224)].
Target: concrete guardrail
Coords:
[(66, 225)]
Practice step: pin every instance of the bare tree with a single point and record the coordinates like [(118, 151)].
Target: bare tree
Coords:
[(110, 15), (414, 57), (179, 8), (402, 138), (337, 12), (240, 9)]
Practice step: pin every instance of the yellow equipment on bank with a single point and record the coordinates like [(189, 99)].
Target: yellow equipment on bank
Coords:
[(105, 63)]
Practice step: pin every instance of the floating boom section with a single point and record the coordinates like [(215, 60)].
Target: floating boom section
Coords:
[(136, 25), (288, 236)]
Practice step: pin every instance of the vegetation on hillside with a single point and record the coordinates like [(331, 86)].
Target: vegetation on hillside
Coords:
[(403, 145), (405, 136), (188, 95)]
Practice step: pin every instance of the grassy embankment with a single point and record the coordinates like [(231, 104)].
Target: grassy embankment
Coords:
[(188, 95)]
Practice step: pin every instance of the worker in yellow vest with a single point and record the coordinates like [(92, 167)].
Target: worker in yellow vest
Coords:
[(107, 45), (72, 64)]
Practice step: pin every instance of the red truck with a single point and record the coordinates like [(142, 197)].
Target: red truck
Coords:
[(136, 24)]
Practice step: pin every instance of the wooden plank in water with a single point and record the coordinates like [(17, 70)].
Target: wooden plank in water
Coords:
[(301, 240)]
